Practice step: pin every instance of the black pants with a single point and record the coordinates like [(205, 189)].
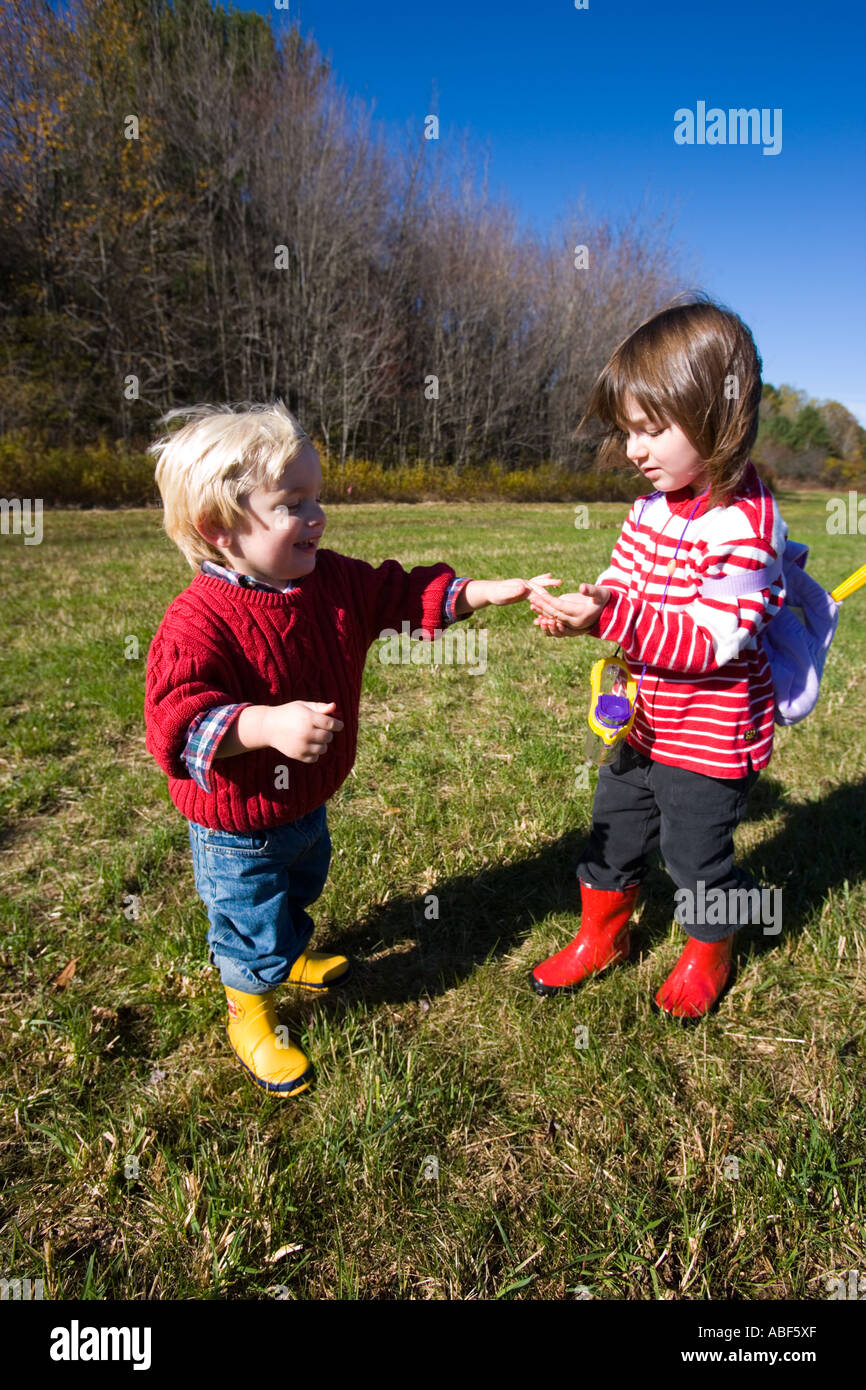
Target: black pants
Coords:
[(641, 806)]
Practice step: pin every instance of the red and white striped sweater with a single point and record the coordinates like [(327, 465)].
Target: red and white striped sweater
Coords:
[(706, 703)]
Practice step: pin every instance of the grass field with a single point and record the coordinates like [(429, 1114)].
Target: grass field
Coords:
[(139, 1162)]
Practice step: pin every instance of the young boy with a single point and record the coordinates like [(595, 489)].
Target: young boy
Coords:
[(252, 693)]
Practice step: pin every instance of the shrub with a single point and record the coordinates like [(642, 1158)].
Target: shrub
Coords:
[(106, 475)]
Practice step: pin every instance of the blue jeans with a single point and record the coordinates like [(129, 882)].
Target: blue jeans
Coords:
[(255, 888)]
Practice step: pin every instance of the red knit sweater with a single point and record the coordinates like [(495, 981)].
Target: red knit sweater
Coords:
[(220, 643)]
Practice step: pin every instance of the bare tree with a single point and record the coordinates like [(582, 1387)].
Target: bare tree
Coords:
[(188, 199)]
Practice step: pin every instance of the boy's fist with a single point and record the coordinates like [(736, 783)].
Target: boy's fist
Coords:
[(302, 729)]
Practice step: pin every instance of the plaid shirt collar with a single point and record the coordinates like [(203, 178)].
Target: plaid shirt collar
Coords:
[(244, 581)]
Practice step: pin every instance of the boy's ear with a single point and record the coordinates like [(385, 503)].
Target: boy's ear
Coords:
[(212, 532)]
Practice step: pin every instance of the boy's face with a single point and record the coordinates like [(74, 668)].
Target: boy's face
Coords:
[(662, 452), (284, 525)]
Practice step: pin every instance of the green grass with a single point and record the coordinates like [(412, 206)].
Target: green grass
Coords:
[(559, 1167)]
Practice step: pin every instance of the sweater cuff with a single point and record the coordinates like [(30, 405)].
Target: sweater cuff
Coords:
[(204, 736), (433, 601)]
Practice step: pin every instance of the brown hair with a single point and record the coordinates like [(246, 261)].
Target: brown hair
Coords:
[(693, 364)]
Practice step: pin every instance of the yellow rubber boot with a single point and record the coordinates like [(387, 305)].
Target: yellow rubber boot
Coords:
[(317, 971), (277, 1067)]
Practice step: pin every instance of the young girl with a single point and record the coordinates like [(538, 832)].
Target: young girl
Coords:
[(682, 395)]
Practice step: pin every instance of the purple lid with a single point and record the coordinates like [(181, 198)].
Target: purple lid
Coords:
[(612, 710)]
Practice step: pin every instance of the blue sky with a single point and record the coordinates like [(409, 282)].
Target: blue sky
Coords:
[(570, 102)]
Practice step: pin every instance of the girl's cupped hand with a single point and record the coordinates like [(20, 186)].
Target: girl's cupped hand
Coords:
[(568, 614)]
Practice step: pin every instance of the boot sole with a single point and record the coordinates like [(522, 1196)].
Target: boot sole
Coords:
[(689, 1020), (570, 989), (287, 1088), (686, 1020)]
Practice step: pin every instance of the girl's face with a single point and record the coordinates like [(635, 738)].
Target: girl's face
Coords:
[(662, 452), (284, 525)]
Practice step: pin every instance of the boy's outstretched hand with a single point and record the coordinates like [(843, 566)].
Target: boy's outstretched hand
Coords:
[(568, 614), (478, 593)]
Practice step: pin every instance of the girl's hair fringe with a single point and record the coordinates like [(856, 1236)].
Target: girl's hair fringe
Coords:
[(693, 364)]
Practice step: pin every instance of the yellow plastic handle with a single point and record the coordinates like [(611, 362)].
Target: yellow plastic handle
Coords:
[(610, 736), (850, 585)]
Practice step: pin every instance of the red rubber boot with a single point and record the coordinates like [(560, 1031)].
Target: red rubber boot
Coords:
[(697, 979), (603, 940)]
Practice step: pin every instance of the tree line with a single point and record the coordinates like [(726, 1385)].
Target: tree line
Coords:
[(192, 209), (809, 441)]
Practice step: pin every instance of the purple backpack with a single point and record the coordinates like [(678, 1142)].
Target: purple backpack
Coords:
[(796, 650)]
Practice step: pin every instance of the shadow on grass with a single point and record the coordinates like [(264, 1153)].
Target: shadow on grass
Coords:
[(818, 848)]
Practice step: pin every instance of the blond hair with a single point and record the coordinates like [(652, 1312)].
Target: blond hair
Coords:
[(219, 456), (694, 364)]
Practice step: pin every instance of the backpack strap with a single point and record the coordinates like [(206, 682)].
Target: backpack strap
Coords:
[(749, 582), (752, 581)]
